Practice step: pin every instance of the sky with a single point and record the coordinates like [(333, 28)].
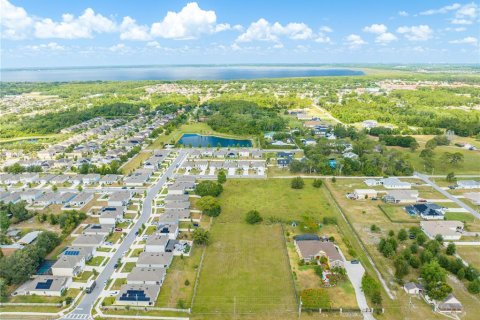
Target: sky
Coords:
[(54, 33)]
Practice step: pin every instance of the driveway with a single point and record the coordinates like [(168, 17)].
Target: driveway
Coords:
[(355, 273)]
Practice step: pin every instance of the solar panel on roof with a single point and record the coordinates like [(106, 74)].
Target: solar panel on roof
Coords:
[(71, 253), (44, 285), (134, 295)]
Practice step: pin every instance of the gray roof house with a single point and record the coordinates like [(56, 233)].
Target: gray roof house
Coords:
[(176, 198), (138, 294), (89, 240), (155, 259), (314, 249), (401, 196), (44, 285), (146, 276), (119, 198), (156, 243), (101, 229)]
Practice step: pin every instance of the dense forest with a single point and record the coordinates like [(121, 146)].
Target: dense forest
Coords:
[(243, 117)]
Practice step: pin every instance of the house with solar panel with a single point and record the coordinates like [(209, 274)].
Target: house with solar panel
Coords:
[(111, 215), (427, 211), (101, 229), (138, 295), (72, 261), (44, 285)]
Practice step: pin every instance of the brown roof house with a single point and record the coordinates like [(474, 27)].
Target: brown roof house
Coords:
[(309, 250), (450, 304)]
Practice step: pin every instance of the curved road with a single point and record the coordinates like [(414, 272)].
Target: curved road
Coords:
[(84, 308)]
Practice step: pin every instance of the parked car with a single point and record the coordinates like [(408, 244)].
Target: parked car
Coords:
[(354, 262), (118, 229)]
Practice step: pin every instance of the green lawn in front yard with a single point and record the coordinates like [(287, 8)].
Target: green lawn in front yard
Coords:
[(96, 261), (114, 236), (136, 161), (119, 283), (83, 277), (128, 266)]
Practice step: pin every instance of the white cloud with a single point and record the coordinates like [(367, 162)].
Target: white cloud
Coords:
[(14, 21), (322, 38), (444, 9), (188, 23), (52, 46), (403, 13), (461, 21), (326, 29), (467, 11), (385, 38), (130, 30), (73, 28), (416, 33), (458, 29), (153, 44), (354, 41), (466, 40), (118, 47), (376, 28), (262, 30)]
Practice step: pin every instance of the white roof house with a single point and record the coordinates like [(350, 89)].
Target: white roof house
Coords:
[(401, 196), (44, 285), (395, 183), (449, 230), (146, 276), (468, 184), (364, 193)]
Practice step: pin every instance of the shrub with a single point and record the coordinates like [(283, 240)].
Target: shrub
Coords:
[(253, 217), (297, 183), (317, 183)]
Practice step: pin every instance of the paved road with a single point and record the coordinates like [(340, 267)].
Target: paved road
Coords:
[(447, 194), (355, 274), (84, 308)]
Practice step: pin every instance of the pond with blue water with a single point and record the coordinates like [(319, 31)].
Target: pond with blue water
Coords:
[(197, 140)]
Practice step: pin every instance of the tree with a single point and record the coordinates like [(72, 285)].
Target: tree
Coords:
[(371, 288), (451, 177), (317, 183), (453, 157), (434, 275), (401, 267), (201, 236), (474, 286), (253, 217), (54, 188), (209, 206), (221, 177), (451, 249), (319, 271), (402, 235), (208, 188), (297, 183), (4, 221)]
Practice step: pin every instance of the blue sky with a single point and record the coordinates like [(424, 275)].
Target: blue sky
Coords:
[(84, 33)]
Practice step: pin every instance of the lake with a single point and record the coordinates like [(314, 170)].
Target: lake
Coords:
[(124, 73), (197, 140)]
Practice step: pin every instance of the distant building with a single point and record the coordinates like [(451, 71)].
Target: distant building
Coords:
[(449, 230)]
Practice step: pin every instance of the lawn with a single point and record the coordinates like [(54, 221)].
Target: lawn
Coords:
[(84, 276), (135, 162), (95, 261), (174, 288), (470, 254), (128, 266), (119, 283), (244, 272)]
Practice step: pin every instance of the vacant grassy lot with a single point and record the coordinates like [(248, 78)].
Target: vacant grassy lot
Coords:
[(470, 254), (245, 269), (135, 162)]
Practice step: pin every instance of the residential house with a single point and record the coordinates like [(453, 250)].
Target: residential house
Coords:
[(138, 295), (448, 229), (428, 211), (309, 250), (89, 240), (450, 305), (109, 179), (473, 196), (468, 184), (111, 214), (44, 285), (401, 196), (72, 261), (155, 259), (146, 276), (413, 288), (29, 237), (100, 229), (156, 243), (360, 194), (119, 198)]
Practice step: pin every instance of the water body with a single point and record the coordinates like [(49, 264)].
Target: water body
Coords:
[(168, 73), (197, 140)]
